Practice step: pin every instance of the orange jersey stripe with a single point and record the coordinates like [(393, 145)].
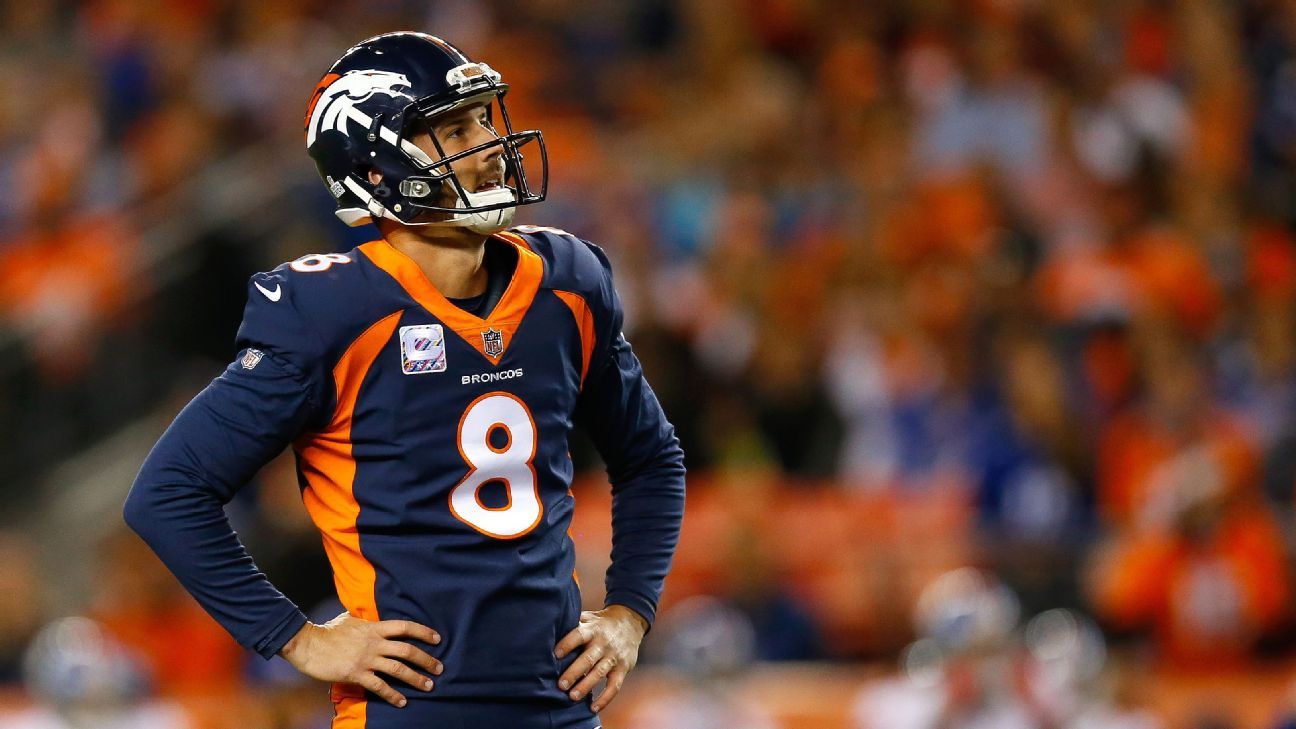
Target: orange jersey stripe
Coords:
[(514, 238), (350, 713), (329, 467), (584, 322), (505, 318), (327, 463)]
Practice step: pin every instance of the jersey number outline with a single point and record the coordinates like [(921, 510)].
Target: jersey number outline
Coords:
[(486, 463)]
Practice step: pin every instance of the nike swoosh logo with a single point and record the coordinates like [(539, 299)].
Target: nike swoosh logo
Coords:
[(272, 295)]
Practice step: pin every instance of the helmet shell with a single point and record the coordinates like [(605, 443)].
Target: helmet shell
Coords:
[(358, 119)]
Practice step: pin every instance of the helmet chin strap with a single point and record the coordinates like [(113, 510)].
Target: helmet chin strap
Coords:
[(485, 223), (491, 221)]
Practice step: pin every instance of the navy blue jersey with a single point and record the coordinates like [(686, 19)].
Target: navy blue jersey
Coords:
[(432, 452)]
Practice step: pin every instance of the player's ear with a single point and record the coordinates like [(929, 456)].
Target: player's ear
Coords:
[(375, 176)]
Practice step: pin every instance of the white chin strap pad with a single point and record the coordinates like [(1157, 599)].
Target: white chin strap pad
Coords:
[(491, 221)]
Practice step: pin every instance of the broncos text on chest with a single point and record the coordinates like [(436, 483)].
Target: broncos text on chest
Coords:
[(491, 376)]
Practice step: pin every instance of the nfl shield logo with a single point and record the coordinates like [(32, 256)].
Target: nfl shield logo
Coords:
[(493, 342)]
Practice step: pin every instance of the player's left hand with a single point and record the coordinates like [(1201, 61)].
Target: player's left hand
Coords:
[(611, 637)]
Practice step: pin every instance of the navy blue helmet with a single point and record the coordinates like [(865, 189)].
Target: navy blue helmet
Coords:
[(364, 114)]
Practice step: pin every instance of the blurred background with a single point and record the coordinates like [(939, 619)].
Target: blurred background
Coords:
[(976, 318)]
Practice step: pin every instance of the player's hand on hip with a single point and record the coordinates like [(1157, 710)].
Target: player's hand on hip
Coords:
[(347, 649), (611, 639)]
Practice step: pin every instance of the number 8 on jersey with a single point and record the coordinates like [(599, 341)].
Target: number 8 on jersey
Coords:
[(510, 462)]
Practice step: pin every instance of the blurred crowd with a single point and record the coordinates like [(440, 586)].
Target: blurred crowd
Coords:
[(1035, 255)]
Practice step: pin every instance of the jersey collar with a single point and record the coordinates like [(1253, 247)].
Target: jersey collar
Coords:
[(490, 336)]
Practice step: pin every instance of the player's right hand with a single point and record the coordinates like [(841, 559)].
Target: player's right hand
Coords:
[(347, 649)]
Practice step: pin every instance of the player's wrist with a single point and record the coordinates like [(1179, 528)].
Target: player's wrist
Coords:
[(628, 613), (296, 645)]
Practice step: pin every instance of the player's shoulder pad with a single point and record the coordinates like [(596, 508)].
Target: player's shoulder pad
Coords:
[(296, 306), (571, 263)]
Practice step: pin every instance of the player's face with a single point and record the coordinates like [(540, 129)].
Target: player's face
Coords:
[(459, 130)]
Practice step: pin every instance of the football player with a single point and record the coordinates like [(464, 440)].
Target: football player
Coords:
[(427, 383)]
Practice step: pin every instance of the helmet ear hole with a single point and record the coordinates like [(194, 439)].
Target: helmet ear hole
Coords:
[(374, 177)]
